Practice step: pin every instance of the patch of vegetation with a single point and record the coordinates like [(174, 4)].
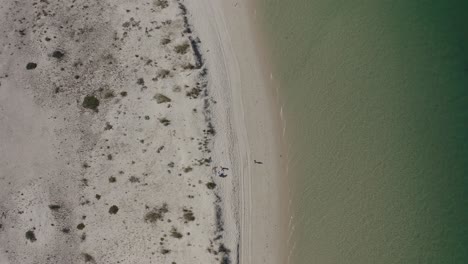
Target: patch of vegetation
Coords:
[(211, 130), (65, 230), (226, 260), (219, 215), (163, 73), (108, 126), (188, 66), (175, 233), (165, 251), (123, 94), (88, 258), (223, 249), (109, 94), (204, 72), (91, 102), (193, 93), (188, 169), (161, 98), (153, 216), (157, 214), (113, 209), (141, 81), (109, 156), (112, 179), (58, 54), (160, 149), (134, 179), (204, 161), (211, 185), (164, 121), (80, 226), (182, 48), (31, 236), (165, 41), (31, 66), (188, 215), (176, 89), (161, 3), (54, 207)]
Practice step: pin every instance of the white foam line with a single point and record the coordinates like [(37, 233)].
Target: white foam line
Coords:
[(281, 113), (276, 89), (291, 233), (290, 223), (291, 251)]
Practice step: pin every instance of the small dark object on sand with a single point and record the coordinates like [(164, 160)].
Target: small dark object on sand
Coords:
[(54, 207), (31, 66), (211, 185), (113, 209), (58, 54), (258, 162), (220, 172), (88, 257)]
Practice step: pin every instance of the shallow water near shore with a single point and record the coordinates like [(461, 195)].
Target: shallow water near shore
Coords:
[(375, 97)]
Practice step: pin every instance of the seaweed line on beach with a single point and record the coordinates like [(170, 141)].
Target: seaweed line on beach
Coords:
[(209, 133)]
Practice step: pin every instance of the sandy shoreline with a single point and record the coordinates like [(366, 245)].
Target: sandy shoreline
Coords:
[(229, 36), (116, 120)]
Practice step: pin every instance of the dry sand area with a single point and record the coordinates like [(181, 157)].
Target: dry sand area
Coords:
[(116, 120), (105, 135)]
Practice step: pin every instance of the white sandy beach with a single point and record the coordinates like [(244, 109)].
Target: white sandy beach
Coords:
[(253, 119), (116, 119)]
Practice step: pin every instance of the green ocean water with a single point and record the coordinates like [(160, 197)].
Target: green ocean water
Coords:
[(375, 95)]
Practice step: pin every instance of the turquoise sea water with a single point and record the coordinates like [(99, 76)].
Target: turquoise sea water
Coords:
[(375, 95)]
